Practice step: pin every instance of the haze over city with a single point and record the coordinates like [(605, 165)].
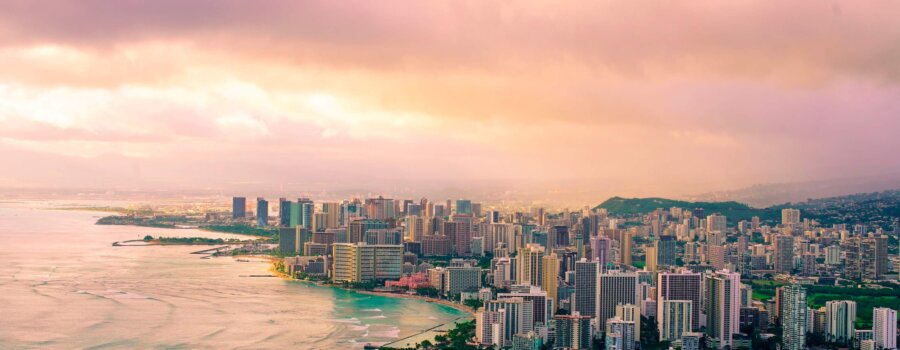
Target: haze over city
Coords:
[(604, 98)]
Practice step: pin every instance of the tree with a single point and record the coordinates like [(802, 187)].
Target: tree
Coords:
[(473, 303), (148, 238)]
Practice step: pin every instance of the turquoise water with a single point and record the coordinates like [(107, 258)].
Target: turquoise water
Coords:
[(62, 285)]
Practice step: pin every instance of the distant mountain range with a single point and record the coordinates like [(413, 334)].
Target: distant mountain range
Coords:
[(879, 209), (765, 195)]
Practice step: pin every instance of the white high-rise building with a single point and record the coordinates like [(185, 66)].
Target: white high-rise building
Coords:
[(674, 319), (613, 289), (794, 317), (840, 316), (884, 328)]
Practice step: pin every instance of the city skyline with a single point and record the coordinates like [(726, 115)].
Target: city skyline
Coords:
[(595, 98)]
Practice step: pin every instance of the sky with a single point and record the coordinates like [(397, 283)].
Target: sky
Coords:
[(621, 97)]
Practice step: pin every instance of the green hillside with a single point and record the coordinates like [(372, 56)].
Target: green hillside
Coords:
[(733, 210)]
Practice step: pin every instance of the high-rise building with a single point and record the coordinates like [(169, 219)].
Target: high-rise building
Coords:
[(586, 273), (650, 258), (332, 212), (238, 207), (683, 285), (307, 210), (722, 305), (518, 315), (615, 288), (784, 254), (460, 233), (462, 279), (359, 262), (490, 327), (415, 228), (572, 331), (674, 319), (625, 245), (840, 316), (295, 215), (601, 250), (287, 240), (559, 236), (884, 328), (262, 212), (357, 228), (833, 255), (550, 277), (716, 223), (620, 334), (665, 250), (381, 208), (541, 304), (794, 317), (376, 236), (284, 212), (531, 265), (630, 312), (790, 217), (463, 206)]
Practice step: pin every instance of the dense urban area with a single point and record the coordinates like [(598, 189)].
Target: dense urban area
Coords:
[(646, 273)]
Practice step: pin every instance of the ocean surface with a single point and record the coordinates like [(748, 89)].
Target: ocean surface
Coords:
[(63, 285)]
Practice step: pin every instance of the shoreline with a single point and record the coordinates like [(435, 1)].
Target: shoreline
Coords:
[(444, 302)]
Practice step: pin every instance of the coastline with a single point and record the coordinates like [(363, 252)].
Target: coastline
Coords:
[(458, 307)]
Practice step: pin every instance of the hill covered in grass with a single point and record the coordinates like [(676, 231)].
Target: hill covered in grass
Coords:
[(734, 211)]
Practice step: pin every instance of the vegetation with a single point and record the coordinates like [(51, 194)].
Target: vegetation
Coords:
[(194, 240), (816, 296), (733, 210), (474, 303), (457, 338), (428, 292), (243, 229)]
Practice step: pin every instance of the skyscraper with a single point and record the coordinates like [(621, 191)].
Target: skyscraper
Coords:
[(620, 334), (794, 316), (460, 233), (238, 207), (573, 331), (519, 315), (332, 212), (262, 212), (287, 240), (615, 288), (716, 222), (884, 328), (683, 285), (601, 250), (840, 316), (307, 209), (284, 212), (463, 206), (784, 254), (586, 273), (790, 217), (722, 304), (531, 265), (550, 277), (674, 319), (665, 250)]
